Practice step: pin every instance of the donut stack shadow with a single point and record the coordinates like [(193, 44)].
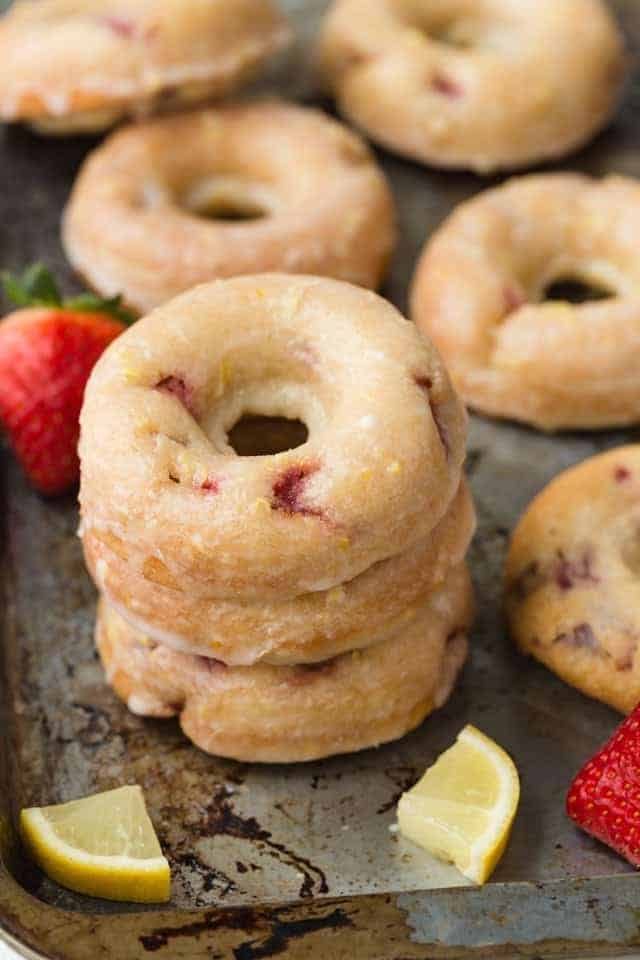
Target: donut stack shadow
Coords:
[(328, 610)]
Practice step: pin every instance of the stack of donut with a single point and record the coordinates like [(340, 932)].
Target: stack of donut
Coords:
[(291, 605)]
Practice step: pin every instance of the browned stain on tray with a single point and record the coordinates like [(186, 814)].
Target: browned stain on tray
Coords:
[(281, 934)]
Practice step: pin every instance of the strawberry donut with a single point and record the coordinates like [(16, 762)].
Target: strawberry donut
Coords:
[(285, 714), (572, 587), (165, 205), (303, 629), (484, 287), (83, 65), (378, 471), (474, 84)]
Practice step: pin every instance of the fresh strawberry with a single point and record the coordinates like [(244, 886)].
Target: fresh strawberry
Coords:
[(604, 799), (47, 351)]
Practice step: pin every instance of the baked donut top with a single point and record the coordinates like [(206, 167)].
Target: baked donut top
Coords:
[(478, 32), (386, 435), (234, 189), (59, 57), (585, 522), (484, 290), (264, 157), (480, 84), (572, 586)]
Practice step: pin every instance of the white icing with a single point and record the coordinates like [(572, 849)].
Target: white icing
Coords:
[(143, 706), (368, 422)]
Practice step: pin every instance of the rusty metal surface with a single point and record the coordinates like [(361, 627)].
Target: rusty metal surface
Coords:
[(299, 860)]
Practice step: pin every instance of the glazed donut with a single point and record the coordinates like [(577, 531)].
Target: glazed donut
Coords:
[(572, 588), (147, 214), (478, 292), (379, 468), (305, 629), (284, 714), (82, 65), (475, 84)]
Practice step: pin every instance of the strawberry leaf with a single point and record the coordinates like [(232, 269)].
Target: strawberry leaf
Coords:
[(34, 288), (90, 303)]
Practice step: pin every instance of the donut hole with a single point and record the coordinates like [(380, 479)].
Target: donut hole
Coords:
[(576, 290), (457, 29), (255, 435), (225, 208), (449, 28), (225, 199), (461, 34)]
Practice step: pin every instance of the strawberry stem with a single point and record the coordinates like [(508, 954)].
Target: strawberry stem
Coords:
[(90, 303), (37, 287)]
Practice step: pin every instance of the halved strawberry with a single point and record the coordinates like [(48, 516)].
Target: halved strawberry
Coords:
[(604, 799), (47, 351)]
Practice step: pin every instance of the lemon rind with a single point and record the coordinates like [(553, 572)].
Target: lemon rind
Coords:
[(115, 877), (487, 849)]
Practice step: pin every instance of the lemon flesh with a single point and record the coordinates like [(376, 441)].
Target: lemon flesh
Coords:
[(462, 809), (103, 845)]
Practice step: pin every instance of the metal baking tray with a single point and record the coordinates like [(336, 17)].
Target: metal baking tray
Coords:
[(297, 861)]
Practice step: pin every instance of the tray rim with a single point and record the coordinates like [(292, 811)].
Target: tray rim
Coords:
[(380, 926)]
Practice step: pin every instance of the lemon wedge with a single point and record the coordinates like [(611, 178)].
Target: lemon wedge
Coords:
[(103, 845), (462, 809)]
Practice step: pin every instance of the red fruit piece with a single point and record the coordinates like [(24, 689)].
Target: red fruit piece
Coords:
[(513, 298), (604, 799), (288, 491), (121, 26), (426, 385), (582, 636), (46, 355), (210, 485), (178, 388), (567, 573), (446, 86), (210, 665), (306, 673)]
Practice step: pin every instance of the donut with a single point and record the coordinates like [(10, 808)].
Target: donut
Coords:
[(479, 290), (283, 714), (380, 466), (572, 594), (82, 65), (306, 629), (474, 84), (165, 205)]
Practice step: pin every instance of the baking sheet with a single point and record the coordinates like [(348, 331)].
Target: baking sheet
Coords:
[(243, 840)]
